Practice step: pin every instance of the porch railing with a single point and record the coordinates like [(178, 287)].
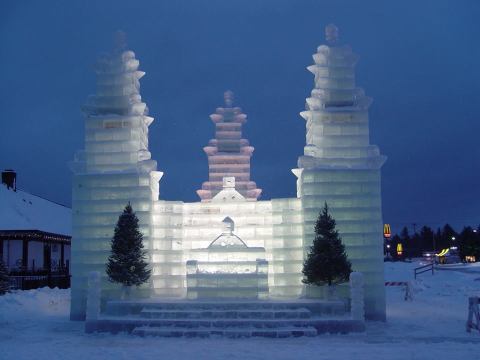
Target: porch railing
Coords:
[(24, 280)]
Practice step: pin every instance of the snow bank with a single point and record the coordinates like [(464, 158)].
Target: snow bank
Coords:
[(39, 304), (440, 302)]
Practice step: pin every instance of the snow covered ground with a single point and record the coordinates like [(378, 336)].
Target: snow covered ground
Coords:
[(34, 325)]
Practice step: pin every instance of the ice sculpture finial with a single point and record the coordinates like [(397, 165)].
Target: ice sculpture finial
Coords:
[(120, 40), (228, 96), (331, 33)]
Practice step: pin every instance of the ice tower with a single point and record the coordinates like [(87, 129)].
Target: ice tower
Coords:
[(228, 154), (340, 167), (115, 168)]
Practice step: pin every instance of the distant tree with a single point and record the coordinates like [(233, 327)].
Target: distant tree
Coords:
[(127, 263), (449, 236), (327, 261), (438, 240), (469, 243), (404, 235), (4, 281), (426, 239)]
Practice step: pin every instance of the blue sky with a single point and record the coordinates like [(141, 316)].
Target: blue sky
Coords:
[(419, 61)]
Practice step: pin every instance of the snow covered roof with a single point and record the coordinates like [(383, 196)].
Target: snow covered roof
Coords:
[(20, 210)]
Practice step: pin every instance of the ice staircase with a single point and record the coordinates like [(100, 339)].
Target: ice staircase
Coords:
[(226, 318)]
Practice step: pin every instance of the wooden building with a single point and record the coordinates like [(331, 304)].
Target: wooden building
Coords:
[(35, 237)]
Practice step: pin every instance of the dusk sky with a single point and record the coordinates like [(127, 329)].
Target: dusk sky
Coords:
[(419, 61)]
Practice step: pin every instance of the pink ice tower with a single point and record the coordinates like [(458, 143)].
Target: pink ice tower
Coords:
[(228, 154)]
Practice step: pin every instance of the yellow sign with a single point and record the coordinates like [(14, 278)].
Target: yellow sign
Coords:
[(443, 252), (399, 249), (386, 231)]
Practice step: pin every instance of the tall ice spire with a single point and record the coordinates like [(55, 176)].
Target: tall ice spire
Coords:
[(228, 154), (116, 118), (341, 167), (114, 169)]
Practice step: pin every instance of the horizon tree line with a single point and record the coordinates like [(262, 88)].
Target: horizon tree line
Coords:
[(414, 245)]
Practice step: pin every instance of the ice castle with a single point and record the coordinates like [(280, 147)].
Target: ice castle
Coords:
[(230, 244)]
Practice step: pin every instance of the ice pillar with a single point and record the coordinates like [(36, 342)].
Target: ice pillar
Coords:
[(340, 167), (115, 168)]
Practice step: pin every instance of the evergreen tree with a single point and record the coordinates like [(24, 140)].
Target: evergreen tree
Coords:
[(327, 261), (446, 239), (426, 239), (438, 240), (404, 234), (469, 243), (414, 249), (126, 264), (4, 281)]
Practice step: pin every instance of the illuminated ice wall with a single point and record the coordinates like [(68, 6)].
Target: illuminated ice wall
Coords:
[(181, 230), (340, 166), (115, 168), (228, 153)]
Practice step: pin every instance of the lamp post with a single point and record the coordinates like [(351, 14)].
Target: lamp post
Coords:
[(434, 249)]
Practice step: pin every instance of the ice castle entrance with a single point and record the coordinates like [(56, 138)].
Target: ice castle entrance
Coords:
[(228, 269)]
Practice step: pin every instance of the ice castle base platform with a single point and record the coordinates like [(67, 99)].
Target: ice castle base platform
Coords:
[(232, 318)]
